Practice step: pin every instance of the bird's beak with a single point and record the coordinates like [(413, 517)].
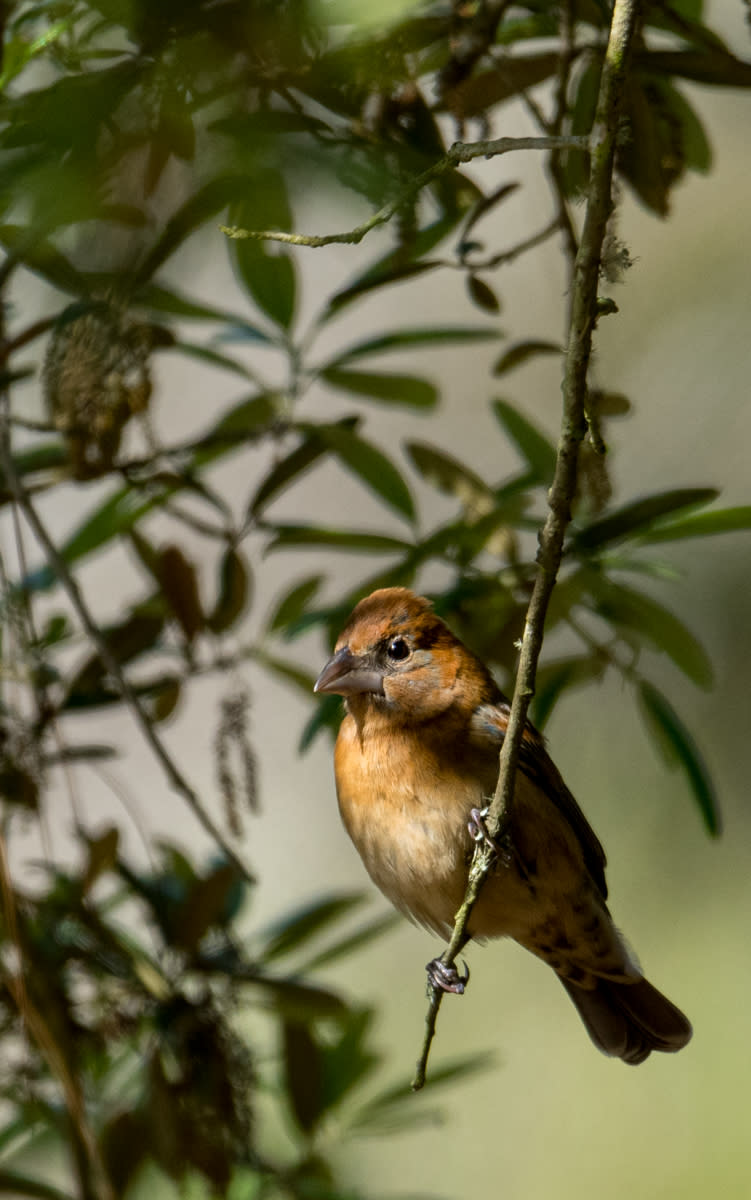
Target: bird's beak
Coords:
[(345, 673)]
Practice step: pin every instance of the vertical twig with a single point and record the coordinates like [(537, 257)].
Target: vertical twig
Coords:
[(573, 427)]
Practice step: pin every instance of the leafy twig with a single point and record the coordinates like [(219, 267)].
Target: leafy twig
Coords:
[(174, 776), (573, 426), (460, 152)]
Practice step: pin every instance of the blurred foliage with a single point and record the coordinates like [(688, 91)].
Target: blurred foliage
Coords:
[(128, 131)]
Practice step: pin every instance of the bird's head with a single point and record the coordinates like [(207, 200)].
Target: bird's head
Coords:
[(396, 656)]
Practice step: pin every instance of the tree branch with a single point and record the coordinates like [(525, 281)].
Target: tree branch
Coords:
[(586, 272), (175, 777), (460, 152)]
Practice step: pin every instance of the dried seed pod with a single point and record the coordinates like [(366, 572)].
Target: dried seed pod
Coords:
[(96, 376)]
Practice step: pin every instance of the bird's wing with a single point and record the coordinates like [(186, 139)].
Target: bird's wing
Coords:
[(489, 722)]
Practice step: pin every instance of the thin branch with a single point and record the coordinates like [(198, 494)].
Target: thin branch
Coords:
[(460, 152), (174, 776), (573, 426)]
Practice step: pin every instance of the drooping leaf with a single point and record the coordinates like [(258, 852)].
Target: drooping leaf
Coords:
[(627, 607), (201, 205), (286, 536), (555, 677), (294, 464), (294, 603), (302, 1074), (346, 946), (368, 463), (174, 303), (415, 338), (234, 591), (521, 352), (723, 520), (390, 389), (534, 446), (179, 584), (448, 474), (678, 748), (294, 930), (639, 517), (482, 294)]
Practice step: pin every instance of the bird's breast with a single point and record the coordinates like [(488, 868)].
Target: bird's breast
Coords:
[(406, 809)]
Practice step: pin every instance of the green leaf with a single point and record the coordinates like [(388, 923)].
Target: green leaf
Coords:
[(300, 679), (723, 520), (638, 516), (554, 678), (346, 946), (174, 303), (393, 389), (678, 748), (521, 352), (265, 270), (625, 606), (448, 474), (535, 448), (213, 358), (403, 338), (714, 66), (302, 1074), (299, 927), (368, 464), (326, 715), (201, 205), (234, 591), (294, 603), (286, 536), (482, 294), (43, 258), (293, 465), (15, 1184), (486, 89)]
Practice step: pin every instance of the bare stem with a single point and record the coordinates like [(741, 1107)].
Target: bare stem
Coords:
[(460, 152), (573, 426)]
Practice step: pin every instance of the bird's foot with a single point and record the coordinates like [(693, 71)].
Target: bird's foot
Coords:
[(447, 979), (478, 831)]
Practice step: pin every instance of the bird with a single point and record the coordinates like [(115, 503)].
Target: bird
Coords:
[(415, 762)]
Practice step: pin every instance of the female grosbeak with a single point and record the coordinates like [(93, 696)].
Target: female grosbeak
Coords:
[(416, 755)]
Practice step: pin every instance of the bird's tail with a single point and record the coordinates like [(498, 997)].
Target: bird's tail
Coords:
[(628, 1020)]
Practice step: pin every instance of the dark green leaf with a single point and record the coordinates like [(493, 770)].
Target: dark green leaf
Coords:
[(179, 583), (368, 464), (482, 294), (679, 748), (201, 205), (45, 457), (294, 603), (289, 468), (264, 269), (406, 338), (43, 258), (14, 1183), (627, 607), (694, 140), (213, 358), (176, 304), (346, 946), (723, 520), (337, 539), (234, 590), (326, 715), (639, 516), (554, 678), (535, 448), (521, 352), (297, 928), (296, 1001), (391, 388), (372, 280), (508, 77), (302, 1074), (712, 66), (300, 679)]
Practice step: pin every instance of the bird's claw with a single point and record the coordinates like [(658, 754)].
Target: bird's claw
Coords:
[(447, 979), (478, 831)]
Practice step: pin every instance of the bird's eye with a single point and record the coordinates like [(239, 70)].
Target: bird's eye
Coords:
[(398, 649)]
